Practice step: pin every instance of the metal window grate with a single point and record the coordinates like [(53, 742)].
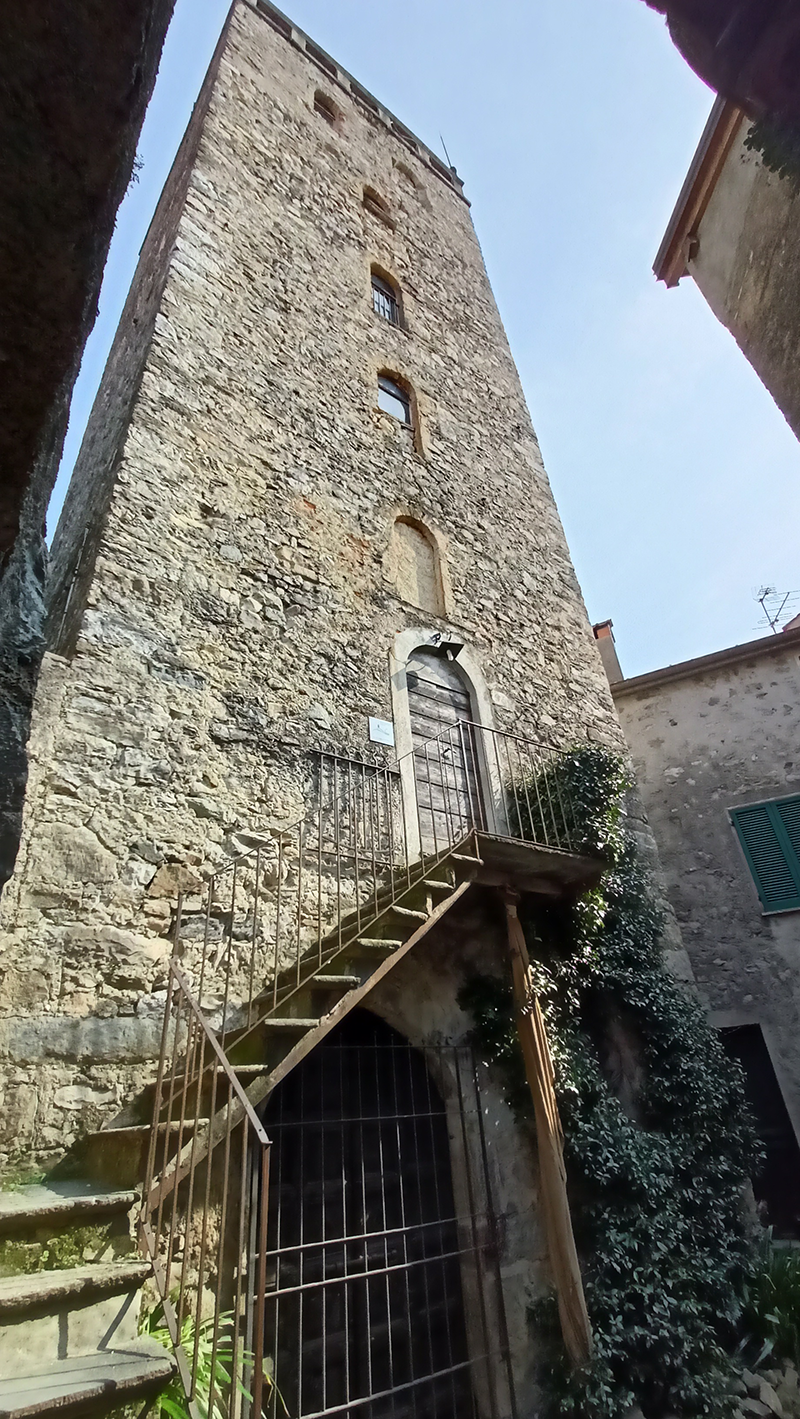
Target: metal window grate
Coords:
[(384, 300), (370, 1249), (326, 108)]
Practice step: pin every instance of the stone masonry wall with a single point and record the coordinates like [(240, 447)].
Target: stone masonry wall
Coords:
[(234, 605), (706, 741), (748, 267), (65, 164)]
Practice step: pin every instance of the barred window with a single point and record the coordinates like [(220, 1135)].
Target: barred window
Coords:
[(376, 206), (326, 108), (384, 299)]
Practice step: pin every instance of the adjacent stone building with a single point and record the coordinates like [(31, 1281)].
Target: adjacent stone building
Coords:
[(716, 746), (736, 231)]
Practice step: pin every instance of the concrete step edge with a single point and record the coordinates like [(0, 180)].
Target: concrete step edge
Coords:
[(75, 1385), (47, 1290), (38, 1203)]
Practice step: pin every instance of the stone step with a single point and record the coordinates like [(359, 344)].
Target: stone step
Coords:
[(407, 913), (87, 1383), (333, 982), (373, 943), (117, 1157), (296, 1023), (436, 886), (59, 1205), (47, 1316), (48, 1290)]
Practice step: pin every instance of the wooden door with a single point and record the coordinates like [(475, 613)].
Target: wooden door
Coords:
[(446, 758)]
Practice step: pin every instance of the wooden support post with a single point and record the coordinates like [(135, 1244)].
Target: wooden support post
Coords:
[(575, 1326)]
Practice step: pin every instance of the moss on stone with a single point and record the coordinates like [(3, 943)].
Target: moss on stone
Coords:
[(44, 1250)]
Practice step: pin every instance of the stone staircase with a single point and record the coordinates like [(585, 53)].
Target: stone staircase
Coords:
[(70, 1297), (244, 1008), (70, 1275)]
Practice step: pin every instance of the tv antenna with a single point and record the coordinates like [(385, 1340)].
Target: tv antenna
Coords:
[(775, 605)]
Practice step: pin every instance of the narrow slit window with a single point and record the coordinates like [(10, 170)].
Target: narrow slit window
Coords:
[(394, 400), (375, 205), (384, 299), (326, 108)]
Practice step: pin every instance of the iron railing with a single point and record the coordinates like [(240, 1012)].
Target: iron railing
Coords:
[(205, 1239), (264, 926), (473, 777), (273, 917)]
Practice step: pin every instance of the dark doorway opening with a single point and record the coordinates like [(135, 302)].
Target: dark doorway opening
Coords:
[(367, 1252), (777, 1186)]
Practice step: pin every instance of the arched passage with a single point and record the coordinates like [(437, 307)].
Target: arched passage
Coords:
[(365, 1309)]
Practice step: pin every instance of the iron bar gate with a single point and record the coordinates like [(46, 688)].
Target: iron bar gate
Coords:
[(383, 1286)]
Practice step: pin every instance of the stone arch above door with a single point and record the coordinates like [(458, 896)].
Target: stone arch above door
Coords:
[(428, 639)]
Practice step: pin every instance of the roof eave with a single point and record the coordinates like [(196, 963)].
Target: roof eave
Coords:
[(672, 261), (764, 647)]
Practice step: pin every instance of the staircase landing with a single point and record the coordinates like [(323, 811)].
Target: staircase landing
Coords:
[(527, 867)]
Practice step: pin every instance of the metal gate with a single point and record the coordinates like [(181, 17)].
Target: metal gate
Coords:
[(372, 1249), (446, 750)]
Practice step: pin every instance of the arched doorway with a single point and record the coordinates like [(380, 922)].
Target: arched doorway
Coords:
[(446, 749), (364, 1310)]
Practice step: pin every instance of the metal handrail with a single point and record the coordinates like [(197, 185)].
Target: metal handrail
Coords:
[(208, 1229), (280, 911), (268, 921)]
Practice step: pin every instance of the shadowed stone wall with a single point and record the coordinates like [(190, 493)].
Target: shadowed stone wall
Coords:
[(747, 264), (75, 81), (708, 736)]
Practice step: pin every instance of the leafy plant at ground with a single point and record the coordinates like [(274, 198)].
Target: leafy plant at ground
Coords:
[(778, 146), (172, 1401), (771, 1314), (658, 1139)]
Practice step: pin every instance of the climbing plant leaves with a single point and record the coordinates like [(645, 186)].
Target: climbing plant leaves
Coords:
[(658, 1138)]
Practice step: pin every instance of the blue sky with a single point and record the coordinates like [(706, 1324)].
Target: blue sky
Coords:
[(572, 123)]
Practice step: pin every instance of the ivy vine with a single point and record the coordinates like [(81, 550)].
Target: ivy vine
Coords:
[(778, 145), (658, 1138)]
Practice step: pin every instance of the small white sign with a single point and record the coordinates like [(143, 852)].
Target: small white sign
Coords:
[(381, 731)]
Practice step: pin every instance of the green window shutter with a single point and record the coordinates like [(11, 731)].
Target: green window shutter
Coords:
[(770, 836), (789, 813)]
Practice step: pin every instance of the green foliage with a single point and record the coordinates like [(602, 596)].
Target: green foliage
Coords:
[(658, 1140), (771, 1318), (172, 1401), (41, 1252), (574, 803), (779, 147)]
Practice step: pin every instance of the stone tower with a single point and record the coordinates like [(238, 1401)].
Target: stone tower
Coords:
[(309, 467)]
